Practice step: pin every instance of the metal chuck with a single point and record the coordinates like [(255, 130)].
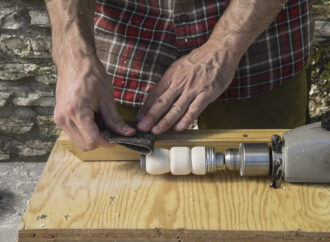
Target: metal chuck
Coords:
[(254, 159), (251, 159)]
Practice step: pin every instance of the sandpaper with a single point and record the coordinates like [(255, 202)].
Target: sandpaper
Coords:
[(142, 142)]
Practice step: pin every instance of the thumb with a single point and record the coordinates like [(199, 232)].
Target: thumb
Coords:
[(113, 121)]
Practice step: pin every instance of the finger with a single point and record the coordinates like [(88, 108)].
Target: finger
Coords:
[(113, 120), (69, 128), (73, 132), (161, 105), (194, 110), (156, 92), (178, 109), (89, 130)]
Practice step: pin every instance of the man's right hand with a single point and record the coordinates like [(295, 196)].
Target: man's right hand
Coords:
[(83, 88)]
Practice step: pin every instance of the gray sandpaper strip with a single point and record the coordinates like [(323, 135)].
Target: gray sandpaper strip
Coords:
[(140, 142)]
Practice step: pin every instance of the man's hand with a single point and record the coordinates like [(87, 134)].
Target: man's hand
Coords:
[(83, 86), (197, 79), (186, 88)]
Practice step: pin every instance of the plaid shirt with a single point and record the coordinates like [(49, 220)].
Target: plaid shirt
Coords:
[(137, 40)]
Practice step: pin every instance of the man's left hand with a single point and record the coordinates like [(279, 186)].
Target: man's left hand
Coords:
[(186, 88)]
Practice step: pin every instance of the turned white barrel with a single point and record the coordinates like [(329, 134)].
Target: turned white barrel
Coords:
[(180, 161), (158, 162), (198, 160)]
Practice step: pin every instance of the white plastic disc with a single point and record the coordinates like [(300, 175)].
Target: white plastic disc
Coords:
[(198, 160), (180, 161), (158, 162)]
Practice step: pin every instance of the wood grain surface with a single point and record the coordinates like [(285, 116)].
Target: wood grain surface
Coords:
[(101, 201), (221, 140)]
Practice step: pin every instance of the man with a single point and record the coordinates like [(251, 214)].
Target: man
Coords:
[(247, 55)]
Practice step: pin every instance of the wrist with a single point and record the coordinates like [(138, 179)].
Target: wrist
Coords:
[(227, 48), (73, 50)]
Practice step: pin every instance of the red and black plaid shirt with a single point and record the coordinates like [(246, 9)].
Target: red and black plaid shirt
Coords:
[(137, 40)]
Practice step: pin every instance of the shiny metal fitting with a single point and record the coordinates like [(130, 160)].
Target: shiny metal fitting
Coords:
[(254, 159), (213, 161), (232, 159)]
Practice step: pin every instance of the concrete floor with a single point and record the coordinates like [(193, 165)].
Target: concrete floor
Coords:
[(17, 183)]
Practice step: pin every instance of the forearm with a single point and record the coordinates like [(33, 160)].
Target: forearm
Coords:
[(72, 27), (242, 23)]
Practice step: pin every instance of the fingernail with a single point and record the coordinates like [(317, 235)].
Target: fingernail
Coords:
[(144, 124), (180, 126), (126, 129), (156, 128)]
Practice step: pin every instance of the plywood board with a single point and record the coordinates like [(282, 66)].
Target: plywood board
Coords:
[(221, 140), (103, 201)]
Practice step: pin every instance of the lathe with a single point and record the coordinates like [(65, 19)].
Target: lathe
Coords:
[(302, 155)]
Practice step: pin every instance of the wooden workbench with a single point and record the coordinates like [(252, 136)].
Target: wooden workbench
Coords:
[(102, 200)]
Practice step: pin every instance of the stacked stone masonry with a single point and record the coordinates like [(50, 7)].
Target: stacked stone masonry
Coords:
[(27, 82), (28, 78)]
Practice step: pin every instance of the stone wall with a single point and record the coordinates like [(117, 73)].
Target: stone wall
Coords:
[(27, 82)]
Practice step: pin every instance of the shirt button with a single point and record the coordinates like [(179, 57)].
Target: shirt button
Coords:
[(183, 17)]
